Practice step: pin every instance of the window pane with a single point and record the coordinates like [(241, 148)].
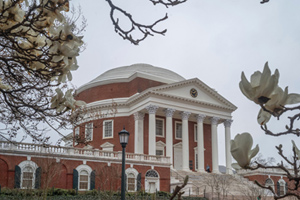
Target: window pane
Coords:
[(159, 152), (178, 130), (27, 183), (159, 127), (83, 185)]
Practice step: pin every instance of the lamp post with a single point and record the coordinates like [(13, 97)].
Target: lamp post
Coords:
[(123, 135)]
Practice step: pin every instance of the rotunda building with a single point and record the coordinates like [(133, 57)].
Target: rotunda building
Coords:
[(165, 114)]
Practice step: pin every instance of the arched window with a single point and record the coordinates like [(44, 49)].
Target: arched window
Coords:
[(281, 187), (25, 175), (83, 178), (133, 182), (269, 182), (152, 181)]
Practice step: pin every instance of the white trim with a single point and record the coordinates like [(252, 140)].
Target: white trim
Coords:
[(112, 129), (89, 170), (163, 127), (23, 165), (89, 128), (177, 122)]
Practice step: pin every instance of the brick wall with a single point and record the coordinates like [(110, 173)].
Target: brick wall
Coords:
[(60, 174), (116, 90)]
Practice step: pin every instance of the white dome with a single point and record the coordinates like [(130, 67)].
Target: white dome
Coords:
[(128, 73)]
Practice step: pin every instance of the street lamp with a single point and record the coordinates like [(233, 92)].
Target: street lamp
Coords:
[(123, 135)]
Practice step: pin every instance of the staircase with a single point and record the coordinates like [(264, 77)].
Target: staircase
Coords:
[(210, 184)]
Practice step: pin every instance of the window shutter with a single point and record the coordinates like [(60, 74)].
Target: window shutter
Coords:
[(38, 173), (17, 176), (139, 182), (93, 175), (286, 188), (278, 188), (75, 179)]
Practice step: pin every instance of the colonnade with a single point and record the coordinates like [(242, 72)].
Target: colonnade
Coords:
[(169, 112)]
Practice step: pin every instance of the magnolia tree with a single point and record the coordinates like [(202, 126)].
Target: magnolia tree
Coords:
[(39, 45), (273, 101)]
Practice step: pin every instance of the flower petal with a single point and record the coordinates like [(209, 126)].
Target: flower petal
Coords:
[(263, 117), (245, 87), (253, 152)]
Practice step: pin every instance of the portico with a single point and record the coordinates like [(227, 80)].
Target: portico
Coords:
[(177, 110), (187, 118)]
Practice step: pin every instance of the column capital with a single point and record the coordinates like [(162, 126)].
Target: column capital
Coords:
[(152, 109), (185, 115), (214, 120), (138, 116), (200, 118), (169, 112), (227, 123)]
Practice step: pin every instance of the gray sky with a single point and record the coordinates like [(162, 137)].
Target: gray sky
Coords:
[(213, 40)]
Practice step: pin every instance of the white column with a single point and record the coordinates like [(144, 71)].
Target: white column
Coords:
[(152, 128), (214, 144), (139, 132), (200, 142), (227, 125), (185, 141), (169, 134)]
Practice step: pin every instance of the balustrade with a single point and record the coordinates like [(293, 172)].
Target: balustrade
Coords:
[(49, 149)]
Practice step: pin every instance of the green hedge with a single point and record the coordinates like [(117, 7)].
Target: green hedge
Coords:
[(62, 194)]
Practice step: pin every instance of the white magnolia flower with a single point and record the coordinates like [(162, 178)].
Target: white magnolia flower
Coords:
[(241, 151), (65, 101), (278, 99), (261, 85), (297, 151)]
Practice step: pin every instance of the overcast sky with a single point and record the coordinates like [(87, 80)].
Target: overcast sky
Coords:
[(212, 40)]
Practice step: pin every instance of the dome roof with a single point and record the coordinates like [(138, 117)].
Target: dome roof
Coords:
[(128, 73)]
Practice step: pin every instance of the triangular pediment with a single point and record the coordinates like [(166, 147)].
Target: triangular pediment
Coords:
[(194, 90), (107, 145)]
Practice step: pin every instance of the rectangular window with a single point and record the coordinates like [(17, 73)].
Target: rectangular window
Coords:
[(159, 152), (108, 129), (196, 133), (89, 131), (159, 123), (178, 130)]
